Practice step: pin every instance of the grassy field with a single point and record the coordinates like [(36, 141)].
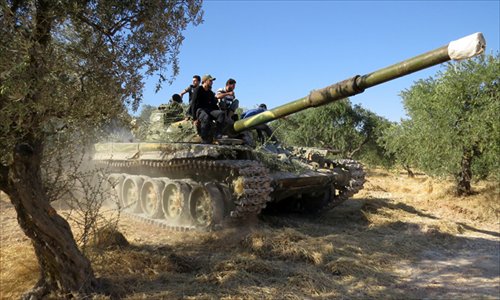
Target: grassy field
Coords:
[(398, 238)]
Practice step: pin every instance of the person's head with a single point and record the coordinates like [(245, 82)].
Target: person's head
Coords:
[(230, 85), (263, 106), (196, 80), (176, 98), (207, 80)]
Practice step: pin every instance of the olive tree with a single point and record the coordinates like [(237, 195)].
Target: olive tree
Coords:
[(453, 125), (351, 129), (396, 141), (67, 65)]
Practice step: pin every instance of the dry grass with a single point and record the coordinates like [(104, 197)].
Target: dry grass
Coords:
[(18, 264), (19, 269), (436, 197), (374, 246)]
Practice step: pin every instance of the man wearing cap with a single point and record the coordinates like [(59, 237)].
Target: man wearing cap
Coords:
[(205, 109)]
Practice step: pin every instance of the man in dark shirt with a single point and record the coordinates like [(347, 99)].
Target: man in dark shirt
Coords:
[(190, 90), (205, 109)]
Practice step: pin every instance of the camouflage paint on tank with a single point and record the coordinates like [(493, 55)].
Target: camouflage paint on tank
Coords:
[(165, 151), (160, 120)]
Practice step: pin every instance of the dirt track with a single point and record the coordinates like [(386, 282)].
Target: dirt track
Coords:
[(400, 238)]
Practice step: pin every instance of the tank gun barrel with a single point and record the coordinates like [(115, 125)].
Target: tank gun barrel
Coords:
[(463, 48)]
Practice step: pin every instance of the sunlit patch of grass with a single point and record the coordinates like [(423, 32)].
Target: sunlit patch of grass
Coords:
[(19, 269), (438, 196), (287, 244)]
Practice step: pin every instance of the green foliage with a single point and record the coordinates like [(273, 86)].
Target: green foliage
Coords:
[(453, 120), (370, 128), (80, 64), (67, 66), (396, 140), (352, 130), (140, 124), (146, 111), (69, 69), (312, 127)]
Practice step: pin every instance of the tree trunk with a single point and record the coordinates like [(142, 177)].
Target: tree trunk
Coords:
[(464, 177), (63, 267), (351, 154), (409, 171)]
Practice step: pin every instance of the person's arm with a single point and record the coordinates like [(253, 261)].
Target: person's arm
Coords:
[(219, 95), (185, 91)]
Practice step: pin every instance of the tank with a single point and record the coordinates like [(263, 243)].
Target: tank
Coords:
[(174, 181)]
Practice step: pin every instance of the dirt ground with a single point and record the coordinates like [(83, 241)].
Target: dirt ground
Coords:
[(399, 238)]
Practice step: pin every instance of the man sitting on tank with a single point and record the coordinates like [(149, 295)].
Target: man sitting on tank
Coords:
[(262, 128), (206, 110), (226, 98)]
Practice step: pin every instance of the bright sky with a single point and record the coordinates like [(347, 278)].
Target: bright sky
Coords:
[(278, 51)]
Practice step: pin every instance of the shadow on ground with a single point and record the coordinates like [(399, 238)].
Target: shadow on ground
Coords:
[(338, 254)]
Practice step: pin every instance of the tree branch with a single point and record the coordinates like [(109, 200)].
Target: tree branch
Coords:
[(351, 154), (104, 31)]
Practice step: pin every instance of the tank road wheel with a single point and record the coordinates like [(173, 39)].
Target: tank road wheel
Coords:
[(131, 189), (174, 200), (151, 197), (206, 206)]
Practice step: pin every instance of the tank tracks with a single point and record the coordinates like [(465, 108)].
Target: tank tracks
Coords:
[(355, 183), (243, 185), (345, 178), (316, 158)]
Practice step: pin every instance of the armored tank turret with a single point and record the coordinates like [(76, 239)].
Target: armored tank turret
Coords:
[(176, 182)]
